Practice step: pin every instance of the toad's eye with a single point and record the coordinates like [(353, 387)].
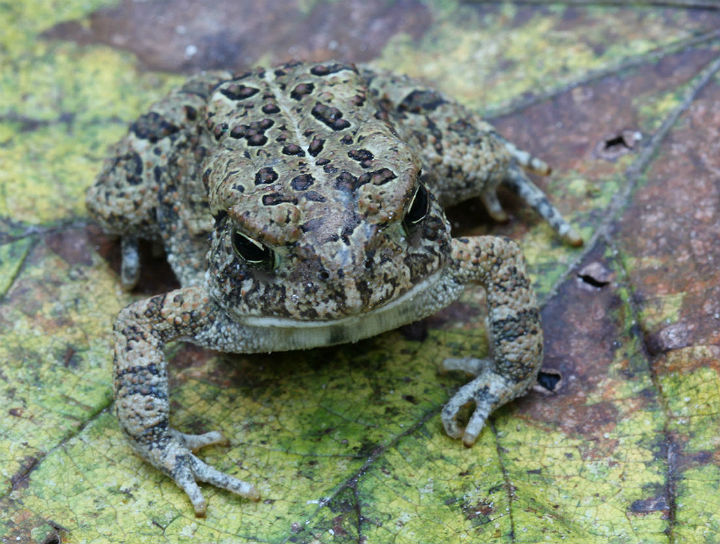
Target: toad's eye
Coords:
[(417, 210), (253, 252)]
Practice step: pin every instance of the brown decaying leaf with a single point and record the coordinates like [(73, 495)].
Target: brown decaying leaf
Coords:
[(627, 330), (190, 35)]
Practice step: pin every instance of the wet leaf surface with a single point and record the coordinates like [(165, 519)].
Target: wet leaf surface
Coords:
[(619, 441)]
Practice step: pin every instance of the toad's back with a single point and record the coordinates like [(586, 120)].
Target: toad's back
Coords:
[(304, 149)]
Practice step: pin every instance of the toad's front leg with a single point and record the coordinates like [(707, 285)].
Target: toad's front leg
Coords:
[(514, 331), (141, 390)]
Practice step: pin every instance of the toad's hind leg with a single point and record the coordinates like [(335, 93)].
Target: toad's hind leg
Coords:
[(514, 331), (516, 180), (463, 156), (525, 159), (140, 179)]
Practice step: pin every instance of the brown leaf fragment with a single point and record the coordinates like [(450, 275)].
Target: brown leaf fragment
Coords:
[(481, 509), (72, 245), (188, 35), (574, 123)]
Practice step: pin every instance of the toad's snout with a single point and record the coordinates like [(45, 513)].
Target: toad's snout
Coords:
[(359, 278)]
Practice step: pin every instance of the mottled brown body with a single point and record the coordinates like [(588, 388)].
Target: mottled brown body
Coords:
[(302, 206)]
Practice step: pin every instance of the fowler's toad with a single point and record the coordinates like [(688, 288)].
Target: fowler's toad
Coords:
[(303, 206)]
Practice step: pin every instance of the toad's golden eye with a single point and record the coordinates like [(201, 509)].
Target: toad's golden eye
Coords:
[(253, 252), (417, 210)]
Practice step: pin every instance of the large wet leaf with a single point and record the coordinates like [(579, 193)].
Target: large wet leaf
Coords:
[(345, 443)]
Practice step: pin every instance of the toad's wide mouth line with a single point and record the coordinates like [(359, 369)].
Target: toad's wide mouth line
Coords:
[(381, 311)]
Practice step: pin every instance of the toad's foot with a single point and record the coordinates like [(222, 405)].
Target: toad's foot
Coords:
[(488, 391), (171, 453)]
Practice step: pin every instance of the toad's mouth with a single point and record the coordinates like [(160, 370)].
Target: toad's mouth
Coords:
[(408, 307)]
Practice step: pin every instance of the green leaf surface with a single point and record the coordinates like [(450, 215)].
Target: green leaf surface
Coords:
[(345, 443)]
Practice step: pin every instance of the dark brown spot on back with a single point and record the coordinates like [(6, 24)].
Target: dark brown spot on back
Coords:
[(302, 182), (190, 113), (301, 89), (330, 116), (219, 130), (236, 91), (346, 182), (265, 175), (315, 196), (326, 69), (312, 224), (274, 199), (360, 155), (257, 140), (358, 100), (152, 127), (363, 156), (293, 149), (419, 101), (316, 146), (377, 177), (254, 133), (270, 108)]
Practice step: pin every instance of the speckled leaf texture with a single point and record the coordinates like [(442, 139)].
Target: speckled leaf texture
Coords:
[(345, 444)]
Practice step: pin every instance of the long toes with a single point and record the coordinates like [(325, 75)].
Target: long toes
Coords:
[(470, 365), (463, 396), (474, 426), (210, 475), (186, 480), (452, 429), (572, 237), (196, 441), (539, 167)]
